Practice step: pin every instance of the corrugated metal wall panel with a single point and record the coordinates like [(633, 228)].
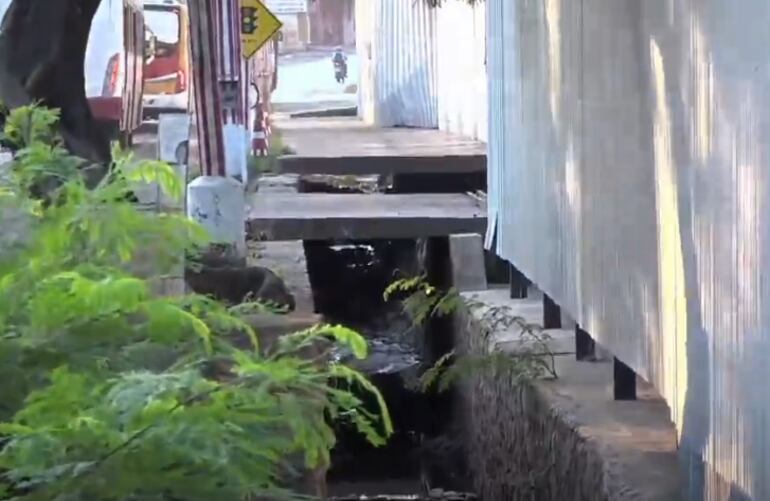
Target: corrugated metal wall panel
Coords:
[(406, 64), (628, 173), (462, 72), (496, 171), (397, 46), (365, 48)]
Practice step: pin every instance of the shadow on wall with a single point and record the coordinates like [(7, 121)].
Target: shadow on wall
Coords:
[(717, 170), (680, 300), (685, 254), (409, 102)]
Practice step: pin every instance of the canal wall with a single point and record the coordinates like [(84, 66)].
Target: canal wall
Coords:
[(555, 439)]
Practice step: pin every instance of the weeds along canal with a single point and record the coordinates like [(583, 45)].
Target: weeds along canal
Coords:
[(348, 279)]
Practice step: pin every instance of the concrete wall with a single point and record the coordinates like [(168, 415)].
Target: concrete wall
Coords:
[(628, 179), (396, 43), (462, 71), (332, 22)]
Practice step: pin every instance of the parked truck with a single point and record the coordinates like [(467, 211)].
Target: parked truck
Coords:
[(167, 71), (114, 66)]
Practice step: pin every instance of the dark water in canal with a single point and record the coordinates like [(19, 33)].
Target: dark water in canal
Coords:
[(348, 280)]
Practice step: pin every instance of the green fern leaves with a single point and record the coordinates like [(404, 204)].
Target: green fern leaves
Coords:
[(108, 392)]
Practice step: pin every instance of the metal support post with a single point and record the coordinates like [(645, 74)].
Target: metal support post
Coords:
[(585, 347), (624, 381), (551, 313), (519, 283)]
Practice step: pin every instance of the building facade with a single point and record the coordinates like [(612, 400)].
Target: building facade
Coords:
[(332, 23), (295, 32)]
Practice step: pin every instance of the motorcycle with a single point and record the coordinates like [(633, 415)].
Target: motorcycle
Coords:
[(340, 71)]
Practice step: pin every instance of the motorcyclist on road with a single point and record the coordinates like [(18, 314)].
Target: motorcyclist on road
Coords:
[(340, 61), (339, 57)]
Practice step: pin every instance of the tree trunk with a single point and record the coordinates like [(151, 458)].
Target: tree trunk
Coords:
[(42, 59)]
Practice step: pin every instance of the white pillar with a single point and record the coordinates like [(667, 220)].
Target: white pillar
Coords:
[(219, 205), (173, 148), (236, 152), (173, 135)]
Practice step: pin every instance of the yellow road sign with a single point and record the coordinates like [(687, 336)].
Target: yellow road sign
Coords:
[(258, 24)]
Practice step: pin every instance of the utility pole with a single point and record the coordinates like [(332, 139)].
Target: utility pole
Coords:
[(234, 87), (208, 111), (216, 200)]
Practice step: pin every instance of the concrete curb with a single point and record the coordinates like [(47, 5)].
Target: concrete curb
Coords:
[(351, 111)]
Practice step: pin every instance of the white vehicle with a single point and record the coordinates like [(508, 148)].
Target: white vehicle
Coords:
[(114, 65)]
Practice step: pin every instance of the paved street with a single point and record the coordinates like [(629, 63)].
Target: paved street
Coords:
[(306, 81)]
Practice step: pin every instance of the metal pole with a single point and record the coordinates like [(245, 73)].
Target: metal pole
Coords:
[(585, 347), (624, 381), (551, 313), (518, 283), (234, 89), (216, 200), (208, 106)]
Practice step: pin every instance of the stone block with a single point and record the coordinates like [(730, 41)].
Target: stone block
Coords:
[(168, 286), (173, 148), (173, 133), (468, 266), (275, 183), (152, 196), (219, 205)]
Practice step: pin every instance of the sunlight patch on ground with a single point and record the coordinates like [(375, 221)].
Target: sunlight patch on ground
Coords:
[(309, 78)]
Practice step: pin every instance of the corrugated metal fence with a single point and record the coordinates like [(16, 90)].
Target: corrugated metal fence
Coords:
[(396, 42), (365, 48), (461, 66), (629, 152)]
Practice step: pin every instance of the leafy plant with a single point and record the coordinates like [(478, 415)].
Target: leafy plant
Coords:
[(111, 393), (423, 300), (530, 359)]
